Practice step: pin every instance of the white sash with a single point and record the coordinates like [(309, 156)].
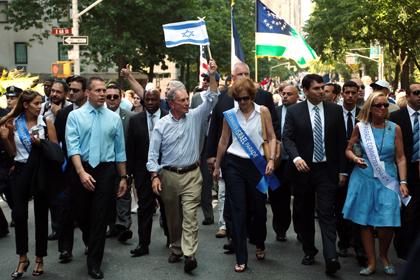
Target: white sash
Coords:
[(368, 141)]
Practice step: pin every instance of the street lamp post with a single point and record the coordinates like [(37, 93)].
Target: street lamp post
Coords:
[(75, 30)]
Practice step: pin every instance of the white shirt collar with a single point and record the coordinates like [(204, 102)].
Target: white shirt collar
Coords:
[(311, 106), (156, 113), (353, 112), (257, 107), (411, 111)]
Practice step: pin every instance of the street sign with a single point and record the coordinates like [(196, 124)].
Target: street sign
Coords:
[(374, 52), (61, 31), (76, 40), (72, 54)]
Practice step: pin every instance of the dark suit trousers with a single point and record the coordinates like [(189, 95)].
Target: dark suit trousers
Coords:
[(145, 211), (206, 190), (92, 209), (21, 193), (3, 222), (410, 219), (241, 178), (280, 202), (67, 213), (319, 187)]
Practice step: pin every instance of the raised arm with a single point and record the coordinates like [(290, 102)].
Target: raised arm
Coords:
[(136, 86)]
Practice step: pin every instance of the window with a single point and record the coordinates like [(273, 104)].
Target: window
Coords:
[(62, 52), (3, 9), (21, 53)]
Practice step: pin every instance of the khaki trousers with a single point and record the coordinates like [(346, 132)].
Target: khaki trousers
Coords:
[(181, 195)]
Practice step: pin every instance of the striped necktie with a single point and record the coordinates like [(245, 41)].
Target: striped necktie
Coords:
[(318, 143), (416, 137)]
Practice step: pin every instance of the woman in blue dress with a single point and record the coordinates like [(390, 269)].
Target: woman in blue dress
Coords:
[(369, 202)]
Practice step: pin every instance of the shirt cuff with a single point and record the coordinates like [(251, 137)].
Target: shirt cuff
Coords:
[(296, 159)]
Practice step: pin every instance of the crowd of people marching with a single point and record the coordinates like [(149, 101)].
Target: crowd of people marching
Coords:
[(351, 159)]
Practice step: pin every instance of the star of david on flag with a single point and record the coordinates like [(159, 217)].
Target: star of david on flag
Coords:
[(276, 38), (192, 32)]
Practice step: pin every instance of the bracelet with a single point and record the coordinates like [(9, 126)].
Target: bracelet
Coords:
[(403, 182), (154, 177)]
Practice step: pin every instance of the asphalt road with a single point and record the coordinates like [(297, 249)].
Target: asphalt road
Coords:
[(282, 259)]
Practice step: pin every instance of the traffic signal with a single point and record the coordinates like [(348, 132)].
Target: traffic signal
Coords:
[(62, 69)]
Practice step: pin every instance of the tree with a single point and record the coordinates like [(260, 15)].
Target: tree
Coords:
[(335, 26)]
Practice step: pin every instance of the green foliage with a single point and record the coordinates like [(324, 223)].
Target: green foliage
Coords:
[(336, 26)]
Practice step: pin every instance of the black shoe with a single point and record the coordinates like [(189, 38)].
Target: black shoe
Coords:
[(173, 258), (281, 237), (208, 221), (308, 260), (4, 233), (332, 266), (96, 273), (112, 232), (343, 253), (65, 257), (125, 235), (53, 236), (190, 264), (139, 251), (229, 248)]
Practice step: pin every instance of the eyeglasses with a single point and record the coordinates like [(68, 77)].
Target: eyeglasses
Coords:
[(415, 92), (111, 97), (243, 98), (381, 105), (74, 90)]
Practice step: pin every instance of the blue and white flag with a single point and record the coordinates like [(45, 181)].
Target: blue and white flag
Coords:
[(237, 53), (192, 32)]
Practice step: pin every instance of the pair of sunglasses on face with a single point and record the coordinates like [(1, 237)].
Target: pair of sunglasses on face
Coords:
[(243, 98), (381, 105)]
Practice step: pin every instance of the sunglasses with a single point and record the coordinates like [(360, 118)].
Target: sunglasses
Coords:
[(111, 97), (381, 105), (416, 92), (244, 98)]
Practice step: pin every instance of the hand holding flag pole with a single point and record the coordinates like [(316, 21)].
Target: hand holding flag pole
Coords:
[(208, 46)]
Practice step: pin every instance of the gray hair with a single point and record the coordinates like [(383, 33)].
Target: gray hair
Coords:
[(174, 86), (237, 65)]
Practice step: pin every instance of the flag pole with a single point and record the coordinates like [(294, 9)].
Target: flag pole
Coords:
[(208, 49), (255, 46)]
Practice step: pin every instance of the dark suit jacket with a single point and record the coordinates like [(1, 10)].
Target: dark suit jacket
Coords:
[(350, 164), (224, 103), (138, 147), (125, 118), (402, 118), (298, 139), (60, 126)]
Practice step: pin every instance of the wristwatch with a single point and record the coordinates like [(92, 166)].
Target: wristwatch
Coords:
[(124, 177)]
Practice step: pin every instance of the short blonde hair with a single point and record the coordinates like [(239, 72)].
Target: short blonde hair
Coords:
[(364, 114), (244, 84)]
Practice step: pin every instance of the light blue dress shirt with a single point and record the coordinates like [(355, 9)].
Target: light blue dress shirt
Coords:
[(177, 141), (78, 131)]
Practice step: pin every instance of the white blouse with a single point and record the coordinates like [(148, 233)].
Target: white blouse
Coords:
[(22, 154), (252, 128)]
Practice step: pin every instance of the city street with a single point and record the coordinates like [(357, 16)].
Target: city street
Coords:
[(282, 259)]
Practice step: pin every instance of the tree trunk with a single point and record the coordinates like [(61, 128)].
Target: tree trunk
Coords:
[(151, 73), (405, 74)]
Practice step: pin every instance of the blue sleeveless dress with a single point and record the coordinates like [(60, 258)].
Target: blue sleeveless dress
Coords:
[(368, 201)]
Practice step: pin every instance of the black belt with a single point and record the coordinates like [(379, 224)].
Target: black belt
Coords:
[(182, 170)]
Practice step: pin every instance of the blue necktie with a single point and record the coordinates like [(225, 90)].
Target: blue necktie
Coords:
[(416, 137), (318, 143), (95, 140)]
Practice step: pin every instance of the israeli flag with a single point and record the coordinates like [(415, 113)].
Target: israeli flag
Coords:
[(192, 32)]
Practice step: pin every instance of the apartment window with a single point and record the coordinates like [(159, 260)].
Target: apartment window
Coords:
[(21, 53), (62, 52), (3, 9)]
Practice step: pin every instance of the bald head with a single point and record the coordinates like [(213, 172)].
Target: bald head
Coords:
[(289, 95)]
